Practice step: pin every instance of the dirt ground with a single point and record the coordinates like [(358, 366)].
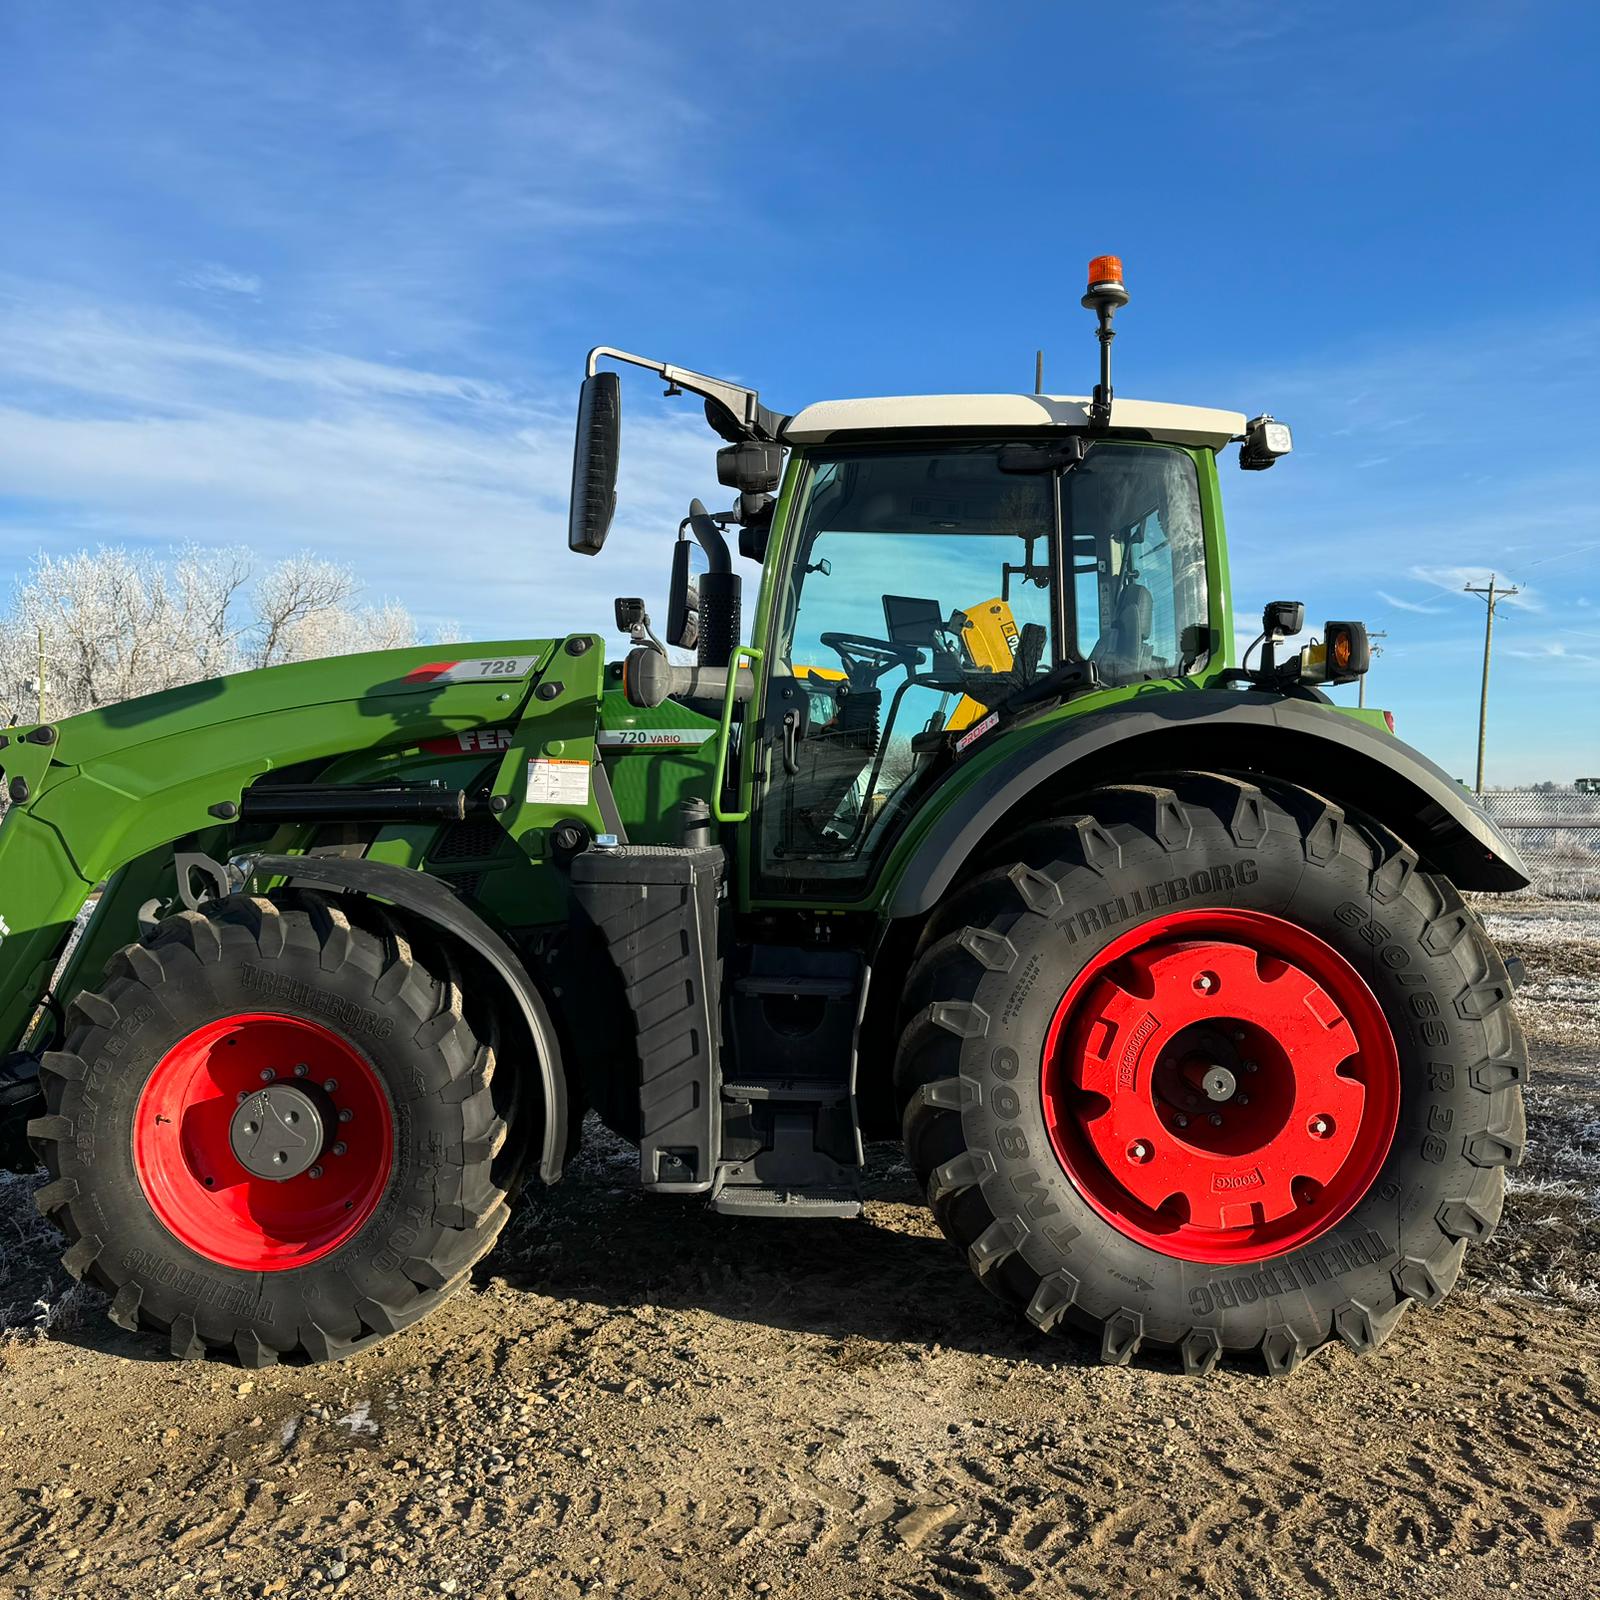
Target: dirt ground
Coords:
[(638, 1398)]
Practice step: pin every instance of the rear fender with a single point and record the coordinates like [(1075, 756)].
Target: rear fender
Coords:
[(1299, 741)]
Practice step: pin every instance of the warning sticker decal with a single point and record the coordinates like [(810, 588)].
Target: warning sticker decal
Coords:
[(558, 783)]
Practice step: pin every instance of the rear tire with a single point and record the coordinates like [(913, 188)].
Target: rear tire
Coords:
[(142, 1131), (1062, 1222)]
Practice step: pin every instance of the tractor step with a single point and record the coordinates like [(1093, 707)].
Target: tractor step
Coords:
[(739, 1202), (790, 1143), (816, 1091), (835, 987)]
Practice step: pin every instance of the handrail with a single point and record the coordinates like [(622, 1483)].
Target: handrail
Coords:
[(755, 655)]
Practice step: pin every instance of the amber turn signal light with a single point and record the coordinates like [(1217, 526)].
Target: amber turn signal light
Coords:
[(1349, 652)]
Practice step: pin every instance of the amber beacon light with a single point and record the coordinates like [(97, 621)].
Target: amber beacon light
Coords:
[(1105, 271), (1104, 296)]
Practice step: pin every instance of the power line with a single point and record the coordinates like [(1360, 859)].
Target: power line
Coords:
[(1491, 596), (1563, 555)]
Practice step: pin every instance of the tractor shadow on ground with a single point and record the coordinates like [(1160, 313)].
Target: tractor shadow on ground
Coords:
[(887, 1278)]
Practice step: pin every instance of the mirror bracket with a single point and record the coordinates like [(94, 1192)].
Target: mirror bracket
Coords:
[(734, 411)]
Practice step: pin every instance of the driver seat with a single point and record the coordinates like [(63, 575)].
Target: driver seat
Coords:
[(1121, 653)]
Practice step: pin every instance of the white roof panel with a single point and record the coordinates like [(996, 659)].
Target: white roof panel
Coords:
[(1191, 425)]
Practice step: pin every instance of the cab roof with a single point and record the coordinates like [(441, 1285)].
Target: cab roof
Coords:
[(922, 413)]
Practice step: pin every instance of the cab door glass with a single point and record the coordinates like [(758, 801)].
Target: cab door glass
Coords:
[(921, 587), (926, 587), (1138, 562)]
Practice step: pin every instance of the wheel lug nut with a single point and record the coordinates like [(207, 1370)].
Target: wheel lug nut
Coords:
[(1205, 982), (1215, 1119), (244, 1094), (330, 1084), (301, 1069), (314, 1172), (1238, 1037), (1139, 1151), (267, 1074), (1241, 1099), (346, 1114), (340, 1148), (1251, 1066), (1320, 1127), (1181, 1120)]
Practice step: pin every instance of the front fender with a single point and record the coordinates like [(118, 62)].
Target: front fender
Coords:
[(426, 897), (1300, 741)]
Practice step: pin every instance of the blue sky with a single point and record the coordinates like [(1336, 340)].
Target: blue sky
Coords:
[(323, 276)]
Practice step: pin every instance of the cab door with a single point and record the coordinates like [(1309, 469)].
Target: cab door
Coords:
[(899, 565)]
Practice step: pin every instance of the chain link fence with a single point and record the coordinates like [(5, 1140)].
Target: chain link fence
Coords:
[(1558, 833)]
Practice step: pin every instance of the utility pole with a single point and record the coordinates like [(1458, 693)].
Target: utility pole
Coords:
[(42, 717), (1361, 683), (1038, 371), (1490, 596)]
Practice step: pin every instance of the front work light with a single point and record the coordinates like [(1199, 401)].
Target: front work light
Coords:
[(1265, 439)]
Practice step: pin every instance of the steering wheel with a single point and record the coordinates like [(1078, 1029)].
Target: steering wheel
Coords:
[(866, 659)]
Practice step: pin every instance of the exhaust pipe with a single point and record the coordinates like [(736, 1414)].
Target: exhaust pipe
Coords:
[(719, 589)]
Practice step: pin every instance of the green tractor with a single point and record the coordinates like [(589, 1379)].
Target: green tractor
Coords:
[(986, 840)]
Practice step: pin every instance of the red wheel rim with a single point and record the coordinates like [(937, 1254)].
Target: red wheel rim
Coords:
[(1220, 1085), (206, 1101)]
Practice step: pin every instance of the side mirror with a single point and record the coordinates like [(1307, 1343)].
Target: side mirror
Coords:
[(594, 463), (683, 599)]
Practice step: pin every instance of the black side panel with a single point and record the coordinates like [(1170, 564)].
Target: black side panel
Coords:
[(1300, 741), (429, 898), (655, 908)]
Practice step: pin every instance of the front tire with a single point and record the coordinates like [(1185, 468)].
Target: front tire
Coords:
[(274, 1131), (1209, 1068)]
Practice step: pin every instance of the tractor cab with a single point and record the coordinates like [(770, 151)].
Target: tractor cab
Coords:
[(936, 569), (953, 586)]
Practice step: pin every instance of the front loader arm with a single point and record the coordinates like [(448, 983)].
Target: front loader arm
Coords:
[(99, 791)]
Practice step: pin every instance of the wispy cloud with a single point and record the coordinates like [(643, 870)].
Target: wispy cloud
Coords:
[(393, 175), (1455, 580), (213, 277), (1554, 651), (1409, 605), (446, 489)]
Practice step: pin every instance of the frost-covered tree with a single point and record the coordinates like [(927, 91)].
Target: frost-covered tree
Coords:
[(112, 623)]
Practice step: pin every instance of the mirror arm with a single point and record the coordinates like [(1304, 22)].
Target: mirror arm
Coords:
[(743, 406)]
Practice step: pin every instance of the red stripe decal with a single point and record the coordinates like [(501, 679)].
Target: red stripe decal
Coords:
[(426, 674)]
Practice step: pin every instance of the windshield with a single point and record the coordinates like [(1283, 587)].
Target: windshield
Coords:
[(928, 588)]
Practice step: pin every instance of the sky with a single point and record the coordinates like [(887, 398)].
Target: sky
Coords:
[(323, 276)]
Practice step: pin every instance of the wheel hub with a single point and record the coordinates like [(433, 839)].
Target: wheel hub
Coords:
[(262, 1141), (277, 1132), (1220, 1085)]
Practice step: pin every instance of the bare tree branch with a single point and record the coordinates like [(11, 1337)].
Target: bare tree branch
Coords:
[(117, 624)]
